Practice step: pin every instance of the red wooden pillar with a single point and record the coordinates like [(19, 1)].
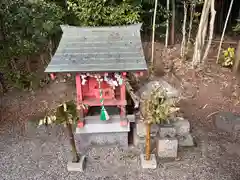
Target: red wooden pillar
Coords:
[(53, 76), (79, 100), (123, 99)]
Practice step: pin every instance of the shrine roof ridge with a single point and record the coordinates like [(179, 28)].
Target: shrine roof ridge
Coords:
[(99, 49)]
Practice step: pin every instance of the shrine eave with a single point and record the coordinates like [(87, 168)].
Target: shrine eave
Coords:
[(99, 49), (88, 70)]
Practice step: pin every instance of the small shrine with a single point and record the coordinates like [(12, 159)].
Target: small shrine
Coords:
[(99, 58)]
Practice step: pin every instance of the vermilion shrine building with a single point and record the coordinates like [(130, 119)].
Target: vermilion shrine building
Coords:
[(110, 53)]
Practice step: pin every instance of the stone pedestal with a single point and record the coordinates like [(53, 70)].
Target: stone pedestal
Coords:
[(114, 138), (150, 164), (181, 125), (186, 140), (167, 131), (167, 147), (102, 132)]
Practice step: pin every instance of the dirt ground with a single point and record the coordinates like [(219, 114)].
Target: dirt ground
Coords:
[(205, 93)]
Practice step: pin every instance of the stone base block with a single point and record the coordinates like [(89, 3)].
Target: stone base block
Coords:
[(80, 166), (167, 147), (167, 131), (85, 140), (150, 164), (181, 125), (140, 142), (137, 140), (186, 141)]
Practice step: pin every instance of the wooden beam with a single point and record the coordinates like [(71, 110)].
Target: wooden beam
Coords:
[(79, 100), (123, 121)]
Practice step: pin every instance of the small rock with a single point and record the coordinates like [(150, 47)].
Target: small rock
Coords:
[(167, 131), (232, 148), (167, 147), (181, 125), (186, 140)]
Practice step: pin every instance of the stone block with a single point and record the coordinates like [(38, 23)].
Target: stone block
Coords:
[(137, 140), (79, 166), (150, 164), (167, 131), (140, 142), (227, 121), (147, 88), (141, 129), (186, 140), (181, 125), (167, 147), (85, 140)]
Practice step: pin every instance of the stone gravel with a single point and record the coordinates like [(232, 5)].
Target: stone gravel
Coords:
[(42, 154)]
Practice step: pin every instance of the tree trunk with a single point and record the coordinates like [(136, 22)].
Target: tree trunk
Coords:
[(27, 64), (153, 36), (134, 97), (199, 43), (211, 30), (173, 23), (192, 11), (224, 29), (50, 49), (183, 45), (148, 141), (42, 59), (167, 28), (13, 64), (204, 33), (236, 65)]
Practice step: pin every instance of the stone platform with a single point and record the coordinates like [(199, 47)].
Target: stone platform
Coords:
[(97, 132)]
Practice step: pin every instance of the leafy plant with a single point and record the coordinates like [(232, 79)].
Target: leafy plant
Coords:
[(107, 12), (66, 114), (236, 28), (228, 57), (157, 108), (26, 27), (29, 24), (21, 80)]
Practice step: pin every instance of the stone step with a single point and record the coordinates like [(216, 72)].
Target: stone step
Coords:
[(94, 125)]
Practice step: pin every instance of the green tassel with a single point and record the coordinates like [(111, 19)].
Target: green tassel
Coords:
[(104, 115)]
